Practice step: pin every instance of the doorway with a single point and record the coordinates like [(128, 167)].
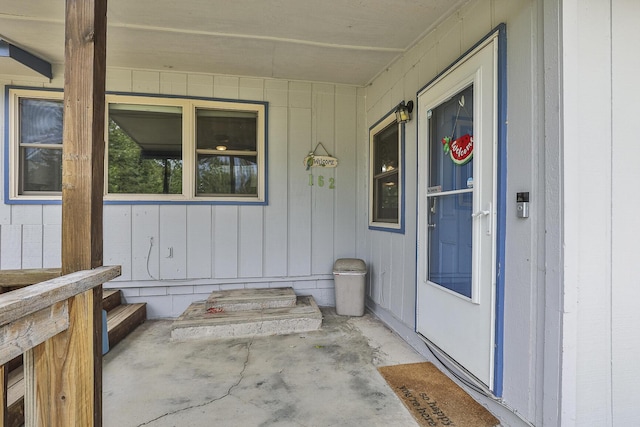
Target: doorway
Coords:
[(457, 211)]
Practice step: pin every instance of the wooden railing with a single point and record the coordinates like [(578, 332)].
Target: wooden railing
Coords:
[(64, 386)]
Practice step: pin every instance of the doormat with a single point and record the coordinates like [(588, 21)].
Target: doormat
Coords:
[(433, 399)]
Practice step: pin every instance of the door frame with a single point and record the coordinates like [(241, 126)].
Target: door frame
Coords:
[(500, 33)]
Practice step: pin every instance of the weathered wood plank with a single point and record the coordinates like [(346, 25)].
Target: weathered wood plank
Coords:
[(30, 417), (33, 329), (25, 301), (67, 394), (123, 319), (15, 399), (4, 387), (26, 277)]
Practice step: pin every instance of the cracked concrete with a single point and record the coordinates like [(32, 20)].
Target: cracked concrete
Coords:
[(320, 378)]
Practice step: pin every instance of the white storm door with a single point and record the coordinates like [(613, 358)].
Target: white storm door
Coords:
[(456, 212)]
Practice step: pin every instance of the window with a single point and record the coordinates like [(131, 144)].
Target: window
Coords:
[(158, 149), (40, 145), (386, 175)]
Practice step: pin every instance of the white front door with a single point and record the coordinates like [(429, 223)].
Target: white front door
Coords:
[(456, 210)]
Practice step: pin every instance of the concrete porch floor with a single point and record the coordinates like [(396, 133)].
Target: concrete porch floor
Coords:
[(320, 378)]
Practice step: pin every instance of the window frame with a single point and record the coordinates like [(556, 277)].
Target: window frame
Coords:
[(395, 227), (189, 105)]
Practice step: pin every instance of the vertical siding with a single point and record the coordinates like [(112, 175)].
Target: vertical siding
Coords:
[(117, 238), (391, 256), (299, 200), (199, 241), (145, 242), (225, 242), (276, 217), (586, 387), (322, 211), (172, 255), (346, 135), (625, 228), (173, 242)]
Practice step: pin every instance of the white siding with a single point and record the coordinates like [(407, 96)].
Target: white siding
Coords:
[(391, 257), (174, 254), (625, 228), (600, 342)]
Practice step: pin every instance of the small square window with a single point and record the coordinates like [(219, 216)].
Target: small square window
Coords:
[(385, 196)]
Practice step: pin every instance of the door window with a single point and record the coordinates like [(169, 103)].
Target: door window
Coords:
[(450, 193)]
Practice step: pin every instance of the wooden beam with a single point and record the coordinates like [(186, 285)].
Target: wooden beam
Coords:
[(19, 278), (31, 330), (4, 388), (68, 367), (25, 301)]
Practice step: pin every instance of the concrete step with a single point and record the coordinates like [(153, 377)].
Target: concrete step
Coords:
[(199, 323), (250, 299)]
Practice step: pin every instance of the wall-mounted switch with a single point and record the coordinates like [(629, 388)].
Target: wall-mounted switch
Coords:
[(522, 205)]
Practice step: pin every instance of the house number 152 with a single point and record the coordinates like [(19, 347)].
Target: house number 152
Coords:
[(321, 181)]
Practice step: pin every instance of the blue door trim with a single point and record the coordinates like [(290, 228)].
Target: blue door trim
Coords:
[(502, 208)]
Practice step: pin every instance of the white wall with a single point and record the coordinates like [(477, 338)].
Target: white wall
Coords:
[(601, 379), (391, 257), (291, 242)]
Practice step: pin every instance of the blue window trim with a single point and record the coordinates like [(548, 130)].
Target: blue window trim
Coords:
[(501, 226), (264, 202), (401, 129)]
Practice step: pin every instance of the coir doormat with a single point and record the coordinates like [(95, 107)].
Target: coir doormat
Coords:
[(433, 399)]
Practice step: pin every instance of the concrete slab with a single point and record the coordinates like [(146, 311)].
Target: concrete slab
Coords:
[(251, 299), (198, 323), (321, 378)]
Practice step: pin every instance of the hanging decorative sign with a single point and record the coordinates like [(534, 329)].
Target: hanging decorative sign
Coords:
[(313, 160), (461, 149)]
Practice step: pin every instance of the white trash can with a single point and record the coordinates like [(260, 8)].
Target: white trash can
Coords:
[(349, 277)]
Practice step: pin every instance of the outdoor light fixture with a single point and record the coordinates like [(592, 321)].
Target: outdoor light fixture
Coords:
[(403, 112)]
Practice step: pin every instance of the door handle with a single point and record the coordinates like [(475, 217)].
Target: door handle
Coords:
[(431, 226), (479, 213), (486, 213)]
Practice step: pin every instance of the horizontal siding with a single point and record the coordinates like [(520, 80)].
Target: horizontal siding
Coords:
[(172, 255)]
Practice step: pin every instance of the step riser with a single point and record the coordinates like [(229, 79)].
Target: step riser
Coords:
[(111, 299), (125, 325), (197, 322), (246, 330)]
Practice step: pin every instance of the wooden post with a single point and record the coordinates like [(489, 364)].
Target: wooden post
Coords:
[(68, 368)]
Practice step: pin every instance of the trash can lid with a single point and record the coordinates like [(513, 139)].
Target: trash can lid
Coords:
[(349, 264)]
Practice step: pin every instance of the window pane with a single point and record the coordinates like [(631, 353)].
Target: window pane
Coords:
[(145, 149), (40, 121), (226, 130), (232, 175), (385, 173), (450, 242), (386, 196), (386, 149), (42, 169), (450, 120)]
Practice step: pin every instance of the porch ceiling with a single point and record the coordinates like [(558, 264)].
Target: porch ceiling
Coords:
[(337, 41)]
